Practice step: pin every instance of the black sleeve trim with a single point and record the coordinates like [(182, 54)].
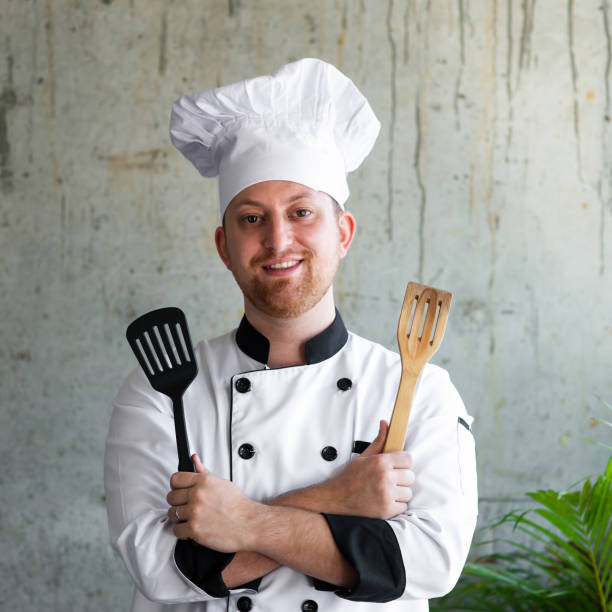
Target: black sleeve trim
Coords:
[(202, 566), (371, 547), (464, 423)]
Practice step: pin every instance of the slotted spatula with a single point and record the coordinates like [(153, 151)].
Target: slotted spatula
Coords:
[(419, 334), (160, 340)]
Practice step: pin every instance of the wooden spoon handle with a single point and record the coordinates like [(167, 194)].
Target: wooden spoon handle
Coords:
[(396, 435)]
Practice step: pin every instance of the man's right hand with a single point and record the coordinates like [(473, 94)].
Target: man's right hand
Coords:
[(375, 485)]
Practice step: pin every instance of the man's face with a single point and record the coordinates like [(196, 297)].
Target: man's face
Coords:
[(283, 242)]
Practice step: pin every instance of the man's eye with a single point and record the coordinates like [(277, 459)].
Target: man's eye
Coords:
[(302, 212), (251, 218)]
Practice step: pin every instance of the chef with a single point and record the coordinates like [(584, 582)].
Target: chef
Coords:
[(293, 505)]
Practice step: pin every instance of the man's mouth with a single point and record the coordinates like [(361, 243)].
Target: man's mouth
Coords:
[(283, 265)]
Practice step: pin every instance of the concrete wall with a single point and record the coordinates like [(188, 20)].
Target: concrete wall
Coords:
[(491, 178)]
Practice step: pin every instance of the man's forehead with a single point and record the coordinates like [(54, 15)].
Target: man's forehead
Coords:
[(272, 193)]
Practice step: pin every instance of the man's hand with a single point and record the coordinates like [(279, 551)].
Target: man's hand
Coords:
[(375, 485), (211, 510)]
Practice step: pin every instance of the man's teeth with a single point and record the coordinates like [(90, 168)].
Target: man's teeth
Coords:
[(283, 265)]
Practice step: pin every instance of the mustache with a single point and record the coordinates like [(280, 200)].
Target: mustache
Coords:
[(263, 259)]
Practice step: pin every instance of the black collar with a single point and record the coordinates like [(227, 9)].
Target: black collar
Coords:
[(321, 347)]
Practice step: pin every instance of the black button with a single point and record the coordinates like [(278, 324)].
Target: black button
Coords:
[(244, 604), (329, 453), (344, 384), (243, 385), (246, 451), (310, 606)]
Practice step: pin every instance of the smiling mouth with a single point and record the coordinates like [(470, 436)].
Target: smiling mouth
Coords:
[(284, 265)]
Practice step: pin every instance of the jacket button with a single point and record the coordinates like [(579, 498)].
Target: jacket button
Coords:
[(344, 384), (329, 453), (246, 451), (243, 385), (310, 606), (244, 604)]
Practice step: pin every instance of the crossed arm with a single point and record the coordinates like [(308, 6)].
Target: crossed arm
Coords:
[(289, 530)]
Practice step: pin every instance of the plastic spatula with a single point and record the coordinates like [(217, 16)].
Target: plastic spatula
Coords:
[(419, 334), (160, 340)]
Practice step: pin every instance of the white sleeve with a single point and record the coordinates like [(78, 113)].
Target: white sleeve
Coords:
[(435, 533), (139, 459)]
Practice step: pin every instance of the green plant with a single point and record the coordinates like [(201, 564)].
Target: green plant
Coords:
[(566, 563)]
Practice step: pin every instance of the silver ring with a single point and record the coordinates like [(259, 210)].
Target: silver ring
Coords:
[(176, 515)]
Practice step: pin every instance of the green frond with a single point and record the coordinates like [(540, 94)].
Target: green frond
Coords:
[(604, 402), (563, 560), (606, 446)]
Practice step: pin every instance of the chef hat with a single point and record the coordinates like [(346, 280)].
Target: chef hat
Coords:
[(306, 122)]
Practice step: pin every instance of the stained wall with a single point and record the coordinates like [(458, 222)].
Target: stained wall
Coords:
[(490, 178)]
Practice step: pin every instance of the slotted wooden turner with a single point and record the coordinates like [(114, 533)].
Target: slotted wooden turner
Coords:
[(419, 334)]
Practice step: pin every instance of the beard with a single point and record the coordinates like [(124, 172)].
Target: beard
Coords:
[(286, 298)]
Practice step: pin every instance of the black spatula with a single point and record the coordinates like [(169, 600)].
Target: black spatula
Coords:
[(160, 340)]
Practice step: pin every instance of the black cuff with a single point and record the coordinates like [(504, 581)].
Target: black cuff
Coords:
[(371, 547), (202, 566)]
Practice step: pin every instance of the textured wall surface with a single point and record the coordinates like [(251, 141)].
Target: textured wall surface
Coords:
[(491, 178)]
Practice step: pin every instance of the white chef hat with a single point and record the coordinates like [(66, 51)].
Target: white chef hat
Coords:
[(306, 122)]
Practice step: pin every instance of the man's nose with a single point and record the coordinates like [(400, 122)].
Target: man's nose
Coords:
[(279, 235)]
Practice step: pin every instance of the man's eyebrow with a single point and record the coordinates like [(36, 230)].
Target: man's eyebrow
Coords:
[(294, 198), (248, 203), (300, 196)]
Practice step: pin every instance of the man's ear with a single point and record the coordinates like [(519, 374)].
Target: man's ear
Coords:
[(221, 244), (346, 225)]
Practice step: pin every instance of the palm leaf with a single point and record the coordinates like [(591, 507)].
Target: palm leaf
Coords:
[(566, 563)]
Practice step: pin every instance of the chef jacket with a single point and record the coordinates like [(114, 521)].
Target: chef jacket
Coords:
[(275, 430)]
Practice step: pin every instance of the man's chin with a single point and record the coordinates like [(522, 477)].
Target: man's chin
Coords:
[(287, 306), (285, 310)]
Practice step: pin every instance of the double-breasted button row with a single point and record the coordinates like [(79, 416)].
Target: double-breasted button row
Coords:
[(247, 451), (243, 384), (244, 604)]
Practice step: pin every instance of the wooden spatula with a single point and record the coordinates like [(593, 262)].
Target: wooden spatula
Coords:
[(419, 334)]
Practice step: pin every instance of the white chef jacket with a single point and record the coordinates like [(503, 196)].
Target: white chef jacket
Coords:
[(275, 430)]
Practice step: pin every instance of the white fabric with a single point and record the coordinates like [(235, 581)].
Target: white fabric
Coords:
[(306, 122), (288, 416)]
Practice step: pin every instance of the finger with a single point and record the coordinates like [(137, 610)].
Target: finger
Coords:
[(178, 514), (200, 469), (405, 478), (399, 507), (401, 460), (404, 495), (177, 497), (182, 480), (182, 531), (378, 443)]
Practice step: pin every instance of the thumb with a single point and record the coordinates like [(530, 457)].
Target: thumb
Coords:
[(378, 443), (200, 469)]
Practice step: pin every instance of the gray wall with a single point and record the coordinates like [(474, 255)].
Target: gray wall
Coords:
[(491, 178)]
